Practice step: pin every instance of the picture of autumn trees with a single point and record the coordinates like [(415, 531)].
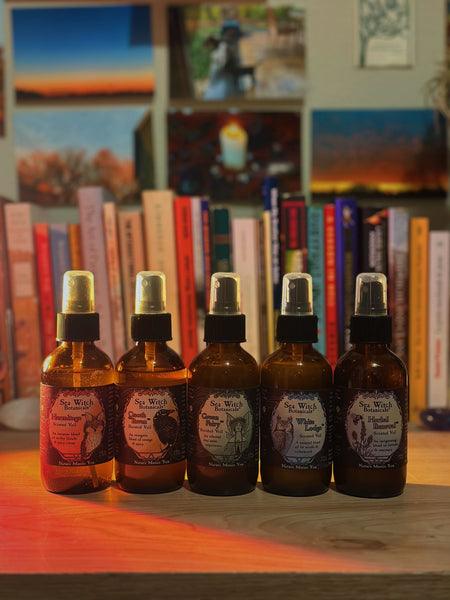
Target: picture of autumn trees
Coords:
[(59, 151)]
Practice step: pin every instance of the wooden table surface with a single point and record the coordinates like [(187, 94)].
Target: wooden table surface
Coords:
[(184, 545)]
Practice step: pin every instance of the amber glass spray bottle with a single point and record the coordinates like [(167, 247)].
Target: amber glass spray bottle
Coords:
[(151, 398), (77, 397), (371, 401), (223, 418), (296, 385)]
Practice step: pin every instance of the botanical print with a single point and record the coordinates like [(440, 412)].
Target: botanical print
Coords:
[(94, 52), (227, 155), (58, 151), (221, 51), (384, 33), (378, 153)]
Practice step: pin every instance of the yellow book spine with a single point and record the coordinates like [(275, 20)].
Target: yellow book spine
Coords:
[(418, 314)]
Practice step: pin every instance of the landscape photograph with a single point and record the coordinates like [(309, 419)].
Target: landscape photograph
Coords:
[(58, 151), (398, 152), (77, 53)]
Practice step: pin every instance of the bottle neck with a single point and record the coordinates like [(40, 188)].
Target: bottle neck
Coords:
[(369, 348)]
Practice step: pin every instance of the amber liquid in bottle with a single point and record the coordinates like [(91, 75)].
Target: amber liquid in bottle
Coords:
[(150, 365), (150, 437), (296, 384), (370, 402), (223, 419), (293, 367), (223, 366), (75, 365)]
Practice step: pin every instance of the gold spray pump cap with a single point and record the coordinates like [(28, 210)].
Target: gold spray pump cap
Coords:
[(225, 294), (371, 295), (150, 293), (78, 292), (225, 322), (371, 324), (77, 321), (150, 321), (297, 323), (297, 295)]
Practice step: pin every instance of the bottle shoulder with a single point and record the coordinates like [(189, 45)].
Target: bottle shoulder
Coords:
[(286, 368), (224, 366), (162, 359), (92, 358), (370, 366)]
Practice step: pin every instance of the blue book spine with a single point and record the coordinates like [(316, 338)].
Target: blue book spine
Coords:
[(316, 268), (347, 258), (60, 257), (271, 202)]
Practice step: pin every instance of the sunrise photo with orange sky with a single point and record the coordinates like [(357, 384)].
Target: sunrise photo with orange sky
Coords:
[(378, 153), (72, 53)]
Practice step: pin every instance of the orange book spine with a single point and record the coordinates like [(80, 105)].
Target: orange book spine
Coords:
[(186, 279), (45, 285), (418, 316), (76, 254), (7, 382)]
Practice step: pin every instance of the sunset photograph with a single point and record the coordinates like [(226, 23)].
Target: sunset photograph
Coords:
[(85, 52), (378, 153)]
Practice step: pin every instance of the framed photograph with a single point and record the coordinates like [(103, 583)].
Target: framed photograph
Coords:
[(84, 52), (223, 51), (384, 33), (399, 153), (58, 151), (226, 155)]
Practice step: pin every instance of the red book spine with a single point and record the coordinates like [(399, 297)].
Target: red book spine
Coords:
[(186, 278), (45, 284), (331, 324)]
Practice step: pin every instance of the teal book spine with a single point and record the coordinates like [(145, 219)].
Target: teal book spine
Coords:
[(316, 268)]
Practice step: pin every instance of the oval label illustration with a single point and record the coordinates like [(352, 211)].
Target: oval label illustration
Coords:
[(225, 425), (76, 424), (374, 426), (298, 427), (151, 423)]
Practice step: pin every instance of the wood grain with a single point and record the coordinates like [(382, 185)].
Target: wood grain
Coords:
[(259, 545)]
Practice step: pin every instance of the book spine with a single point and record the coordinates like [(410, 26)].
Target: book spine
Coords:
[(60, 258), (199, 272), (114, 278), (331, 325), (159, 236), (45, 284), (316, 268), (186, 282), (398, 279), (269, 194), (346, 265), (245, 235), (438, 318), (25, 298), (7, 381), (373, 240), (76, 255), (90, 208), (220, 240), (294, 255), (132, 260), (418, 311), (206, 229)]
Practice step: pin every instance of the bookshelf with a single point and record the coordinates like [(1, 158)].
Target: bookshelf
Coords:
[(184, 545)]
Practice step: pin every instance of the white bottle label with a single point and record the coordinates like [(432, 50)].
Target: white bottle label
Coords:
[(374, 425), (299, 427)]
